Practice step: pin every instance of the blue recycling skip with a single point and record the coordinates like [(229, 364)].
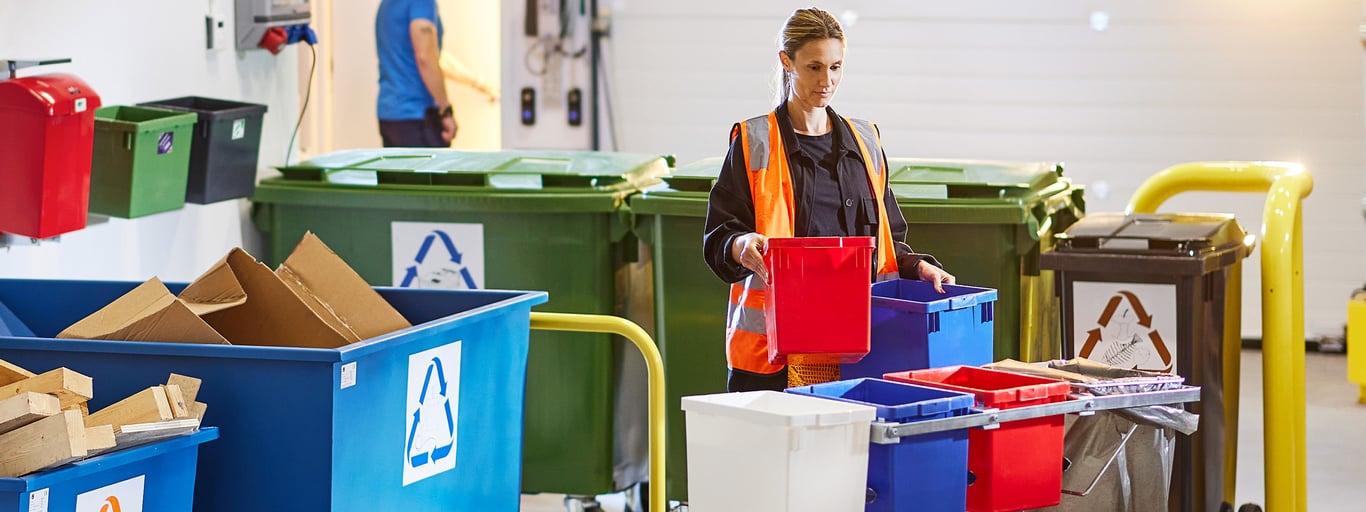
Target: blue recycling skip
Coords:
[(315, 429)]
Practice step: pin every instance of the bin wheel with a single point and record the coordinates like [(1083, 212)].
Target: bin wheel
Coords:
[(1250, 507), (638, 497), (581, 504)]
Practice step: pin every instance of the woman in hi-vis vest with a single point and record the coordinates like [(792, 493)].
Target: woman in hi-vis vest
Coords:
[(801, 170)]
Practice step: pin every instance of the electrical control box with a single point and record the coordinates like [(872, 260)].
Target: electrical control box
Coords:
[(554, 74), (256, 17)]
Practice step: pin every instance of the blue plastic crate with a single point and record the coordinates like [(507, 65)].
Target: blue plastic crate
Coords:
[(326, 429), (159, 476), (915, 327), (928, 472)]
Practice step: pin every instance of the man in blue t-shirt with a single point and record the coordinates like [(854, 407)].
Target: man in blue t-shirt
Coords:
[(414, 110)]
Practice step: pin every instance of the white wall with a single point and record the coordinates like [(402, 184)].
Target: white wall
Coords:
[(140, 50), (471, 35), (1169, 81)]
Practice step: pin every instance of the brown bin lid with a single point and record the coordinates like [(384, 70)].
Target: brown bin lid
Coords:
[(1154, 242)]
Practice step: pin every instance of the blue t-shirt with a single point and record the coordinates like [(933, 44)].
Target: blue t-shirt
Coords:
[(402, 95)]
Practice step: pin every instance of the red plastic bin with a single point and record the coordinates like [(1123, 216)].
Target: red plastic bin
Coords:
[(819, 299), (47, 132), (1019, 465)]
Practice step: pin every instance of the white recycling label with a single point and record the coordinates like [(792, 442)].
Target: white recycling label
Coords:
[(1126, 325), (433, 405), (125, 496), (437, 255)]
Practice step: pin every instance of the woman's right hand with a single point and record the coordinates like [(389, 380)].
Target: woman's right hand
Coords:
[(748, 250)]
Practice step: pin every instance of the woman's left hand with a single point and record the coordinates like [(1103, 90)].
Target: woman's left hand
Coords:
[(936, 275)]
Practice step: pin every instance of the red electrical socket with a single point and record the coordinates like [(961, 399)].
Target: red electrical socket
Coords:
[(275, 40)]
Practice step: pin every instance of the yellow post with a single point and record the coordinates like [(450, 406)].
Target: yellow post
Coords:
[(654, 366), (1286, 184), (1297, 364)]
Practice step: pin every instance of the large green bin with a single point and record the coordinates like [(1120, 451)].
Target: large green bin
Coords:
[(141, 161), (988, 221), (546, 221), (690, 302)]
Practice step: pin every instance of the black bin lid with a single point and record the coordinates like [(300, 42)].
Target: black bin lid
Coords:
[(1158, 238)]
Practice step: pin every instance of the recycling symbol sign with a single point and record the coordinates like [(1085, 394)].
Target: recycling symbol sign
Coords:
[(443, 256), (433, 410), (1126, 325), (124, 496)]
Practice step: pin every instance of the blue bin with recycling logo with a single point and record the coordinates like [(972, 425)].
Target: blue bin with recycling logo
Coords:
[(155, 477), (424, 418)]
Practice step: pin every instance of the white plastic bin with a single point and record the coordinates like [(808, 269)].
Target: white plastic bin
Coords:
[(765, 451)]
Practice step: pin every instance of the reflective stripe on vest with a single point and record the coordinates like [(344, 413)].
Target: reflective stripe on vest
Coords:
[(770, 184)]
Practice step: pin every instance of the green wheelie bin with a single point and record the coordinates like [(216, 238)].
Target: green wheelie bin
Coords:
[(989, 221), (690, 302), (531, 220)]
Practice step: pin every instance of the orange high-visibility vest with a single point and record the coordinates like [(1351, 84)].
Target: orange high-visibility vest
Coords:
[(770, 186)]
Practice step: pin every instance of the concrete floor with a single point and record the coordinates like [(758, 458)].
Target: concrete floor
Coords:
[(1335, 440)]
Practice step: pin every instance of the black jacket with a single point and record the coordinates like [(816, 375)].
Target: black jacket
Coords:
[(730, 209)]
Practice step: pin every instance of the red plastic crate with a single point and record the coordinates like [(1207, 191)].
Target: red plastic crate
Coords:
[(819, 299), (1019, 465)]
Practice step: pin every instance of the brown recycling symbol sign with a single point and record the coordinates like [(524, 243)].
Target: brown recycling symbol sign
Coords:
[(1125, 337)]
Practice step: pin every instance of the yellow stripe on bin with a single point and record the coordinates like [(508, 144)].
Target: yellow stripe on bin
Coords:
[(1356, 337), (1286, 185), (654, 366), (1233, 374)]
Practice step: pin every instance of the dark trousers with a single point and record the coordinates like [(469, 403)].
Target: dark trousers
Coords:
[(416, 133), (740, 380)]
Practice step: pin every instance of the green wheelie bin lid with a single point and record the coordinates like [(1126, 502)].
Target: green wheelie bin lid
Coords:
[(531, 220), (977, 191), (550, 180), (684, 193)]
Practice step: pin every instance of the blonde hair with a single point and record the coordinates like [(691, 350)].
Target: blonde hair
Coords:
[(804, 26)]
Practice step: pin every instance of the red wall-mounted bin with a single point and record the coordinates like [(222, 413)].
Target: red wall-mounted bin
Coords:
[(47, 128), (818, 299)]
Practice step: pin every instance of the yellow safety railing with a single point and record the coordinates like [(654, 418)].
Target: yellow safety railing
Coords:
[(654, 366), (1286, 185)]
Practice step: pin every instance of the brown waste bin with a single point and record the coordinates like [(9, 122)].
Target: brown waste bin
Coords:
[(1147, 291)]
